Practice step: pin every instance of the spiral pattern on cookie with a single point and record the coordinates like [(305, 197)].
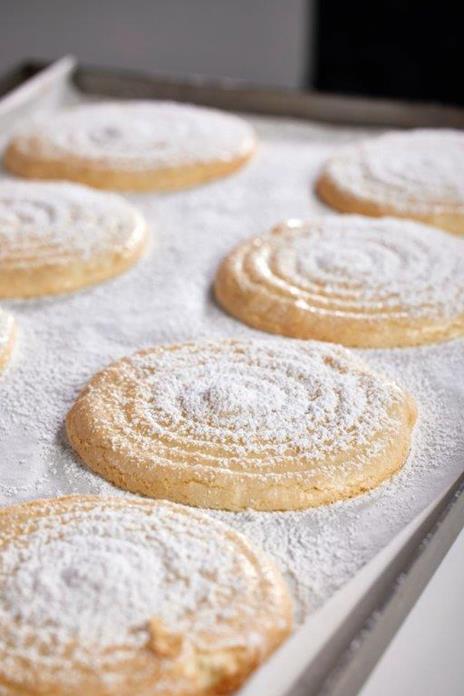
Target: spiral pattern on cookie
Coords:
[(417, 174), (55, 234), (239, 423), (133, 145), (350, 280), (130, 594)]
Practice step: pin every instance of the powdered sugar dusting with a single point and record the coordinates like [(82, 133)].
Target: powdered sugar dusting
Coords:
[(54, 223), (260, 407), (418, 171), (319, 548), (380, 269), (140, 135), (63, 342), (82, 583)]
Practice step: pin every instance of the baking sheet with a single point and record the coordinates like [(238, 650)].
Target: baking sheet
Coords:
[(167, 297)]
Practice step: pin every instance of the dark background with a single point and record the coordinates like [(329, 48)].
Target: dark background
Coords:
[(403, 49)]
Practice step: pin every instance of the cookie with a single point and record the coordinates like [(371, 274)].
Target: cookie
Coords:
[(269, 425), (138, 146), (350, 280), (7, 337), (117, 597), (58, 237), (415, 174)]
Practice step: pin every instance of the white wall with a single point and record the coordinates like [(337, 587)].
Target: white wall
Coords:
[(263, 41)]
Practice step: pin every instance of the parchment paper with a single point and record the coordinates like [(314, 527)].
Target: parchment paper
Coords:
[(167, 297)]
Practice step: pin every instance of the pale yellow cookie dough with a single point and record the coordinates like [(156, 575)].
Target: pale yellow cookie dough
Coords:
[(269, 425), (131, 597), (138, 146), (415, 174), (7, 337), (348, 279), (59, 237)]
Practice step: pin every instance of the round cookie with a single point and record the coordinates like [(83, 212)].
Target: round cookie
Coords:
[(127, 596), (269, 425), (350, 280), (133, 146), (415, 174), (7, 337), (58, 237)]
